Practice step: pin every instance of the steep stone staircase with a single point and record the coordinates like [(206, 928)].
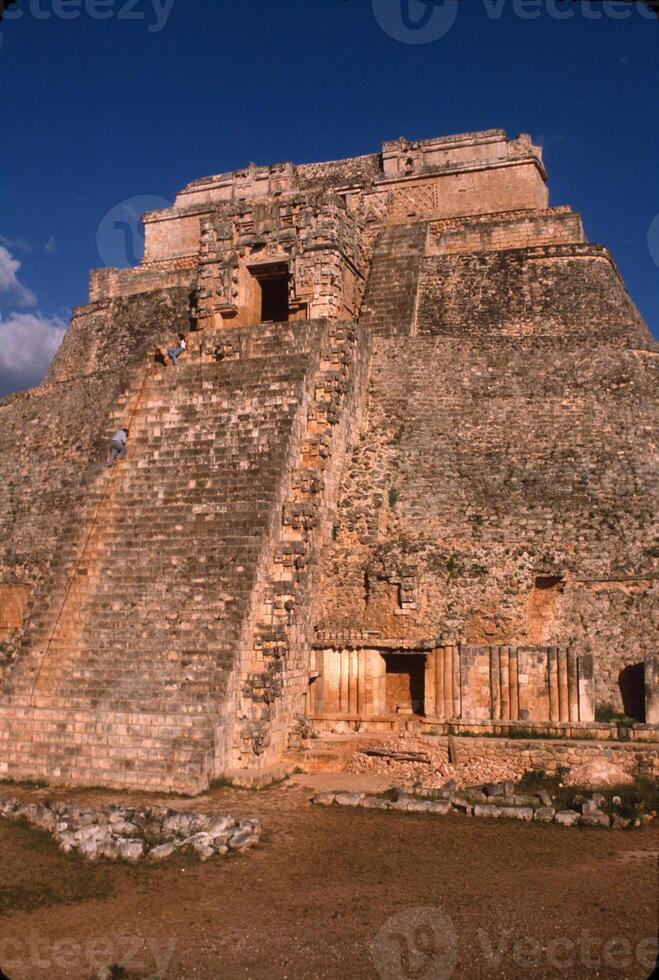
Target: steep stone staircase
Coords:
[(128, 674), (389, 304)]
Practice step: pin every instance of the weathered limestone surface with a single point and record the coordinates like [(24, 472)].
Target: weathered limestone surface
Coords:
[(406, 471)]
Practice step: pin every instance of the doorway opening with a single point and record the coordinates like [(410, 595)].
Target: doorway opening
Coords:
[(273, 282), (404, 683), (631, 681)]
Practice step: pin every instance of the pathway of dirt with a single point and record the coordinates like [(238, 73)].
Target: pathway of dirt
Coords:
[(336, 893)]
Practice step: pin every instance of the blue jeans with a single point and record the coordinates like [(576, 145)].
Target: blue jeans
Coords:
[(117, 451), (175, 352)]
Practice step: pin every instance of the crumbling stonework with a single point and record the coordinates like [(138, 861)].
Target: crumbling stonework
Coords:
[(403, 476)]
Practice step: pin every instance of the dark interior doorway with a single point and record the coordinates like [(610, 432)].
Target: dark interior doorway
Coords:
[(631, 681), (404, 682), (273, 280)]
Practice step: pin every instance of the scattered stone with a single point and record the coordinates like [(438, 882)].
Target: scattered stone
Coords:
[(598, 819), (374, 803), (517, 812), (544, 797), (442, 807), (567, 818), (620, 823), (494, 789), (129, 850), (474, 795), (242, 839), (486, 810), (545, 814), (324, 799), (349, 799), (341, 728), (118, 833)]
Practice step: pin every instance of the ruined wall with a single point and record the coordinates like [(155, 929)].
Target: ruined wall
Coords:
[(551, 290), (502, 492)]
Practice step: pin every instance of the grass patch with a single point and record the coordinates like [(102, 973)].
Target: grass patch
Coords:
[(24, 783), (393, 497), (607, 714), (222, 783), (35, 875), (637, 799)]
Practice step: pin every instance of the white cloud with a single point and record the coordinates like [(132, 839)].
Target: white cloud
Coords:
[(28, 343), (9, 281), (51, 245)]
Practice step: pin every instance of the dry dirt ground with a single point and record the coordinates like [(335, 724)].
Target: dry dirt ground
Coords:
[(335, 893)]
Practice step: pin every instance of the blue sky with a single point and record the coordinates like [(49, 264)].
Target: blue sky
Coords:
[(97, 111)]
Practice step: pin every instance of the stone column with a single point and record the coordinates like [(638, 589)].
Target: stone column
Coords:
[(361, 684), (457, 693), (504, 682), (495, 683), (331, 672), (440, 704), (586, 698), (429, 686), (563, 702), (572, 686), (448, 682), (353, 677), (552, 670), (344, 682), (376, 683), (652, 689), (513, 680)]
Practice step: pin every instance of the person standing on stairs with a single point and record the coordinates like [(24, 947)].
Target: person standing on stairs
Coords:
[(181, 347), (117, 446)]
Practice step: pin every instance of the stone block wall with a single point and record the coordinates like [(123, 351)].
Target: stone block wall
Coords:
[(506, 471), (504, 230), (454, 682), (551, 290)]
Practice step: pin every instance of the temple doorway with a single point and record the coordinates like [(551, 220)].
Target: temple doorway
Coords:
[(404, 683), (273, 282)]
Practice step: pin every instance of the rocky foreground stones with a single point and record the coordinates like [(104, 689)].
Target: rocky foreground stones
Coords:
[(492, 800), (119, 833)]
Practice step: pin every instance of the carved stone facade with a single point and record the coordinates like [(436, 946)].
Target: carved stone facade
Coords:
[(404, 478)]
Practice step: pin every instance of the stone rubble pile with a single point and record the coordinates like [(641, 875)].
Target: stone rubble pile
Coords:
[(489, 800), (433, 773), (120, 833)]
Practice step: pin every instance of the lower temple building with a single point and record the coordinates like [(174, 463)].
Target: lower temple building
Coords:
[(404, 477)]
